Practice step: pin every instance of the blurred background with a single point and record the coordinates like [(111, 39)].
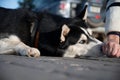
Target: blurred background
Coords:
[(65, 8)]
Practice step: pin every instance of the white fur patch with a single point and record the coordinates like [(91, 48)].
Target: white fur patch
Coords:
[(13, 44), (7, 44), (91, 49)]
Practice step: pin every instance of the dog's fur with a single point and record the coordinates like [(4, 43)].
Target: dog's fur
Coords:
[(66, 37), (15, 33)]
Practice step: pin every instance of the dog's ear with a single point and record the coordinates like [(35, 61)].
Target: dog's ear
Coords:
[(64, 32), (30, 16), (83, 12)]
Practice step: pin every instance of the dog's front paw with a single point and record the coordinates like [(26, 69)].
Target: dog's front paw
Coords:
[(33, 52), (29, 51), (25, 50)]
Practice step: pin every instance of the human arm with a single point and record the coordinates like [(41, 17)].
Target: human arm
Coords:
[(111, 46)]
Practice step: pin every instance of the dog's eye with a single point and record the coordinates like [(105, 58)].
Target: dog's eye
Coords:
[(83, 42)]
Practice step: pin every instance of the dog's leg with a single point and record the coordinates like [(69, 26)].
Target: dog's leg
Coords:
[(7, 45), (13, 45)]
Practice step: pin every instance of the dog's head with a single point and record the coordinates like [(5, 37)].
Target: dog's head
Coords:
[(77, 41)]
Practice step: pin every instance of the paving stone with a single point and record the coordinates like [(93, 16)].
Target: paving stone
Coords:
[(56, 68)]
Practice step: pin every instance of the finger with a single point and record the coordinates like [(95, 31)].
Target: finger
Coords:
[(115, 50), (109, 47), (112, 49), (118, 54)]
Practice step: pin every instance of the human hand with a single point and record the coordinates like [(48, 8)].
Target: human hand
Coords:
[(111, 47)]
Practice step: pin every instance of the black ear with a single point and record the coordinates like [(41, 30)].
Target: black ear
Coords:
[(83, 12), (30, 16)]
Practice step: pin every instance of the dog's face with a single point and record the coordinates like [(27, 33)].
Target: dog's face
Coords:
[(77, 41)]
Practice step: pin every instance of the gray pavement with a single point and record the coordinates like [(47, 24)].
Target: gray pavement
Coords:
[(53, 68)]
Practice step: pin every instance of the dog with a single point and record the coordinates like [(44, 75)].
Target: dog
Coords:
[(54, 35)]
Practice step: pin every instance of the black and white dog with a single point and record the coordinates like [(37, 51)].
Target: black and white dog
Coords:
[(66, 37), (15, 33), (55, 35)]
